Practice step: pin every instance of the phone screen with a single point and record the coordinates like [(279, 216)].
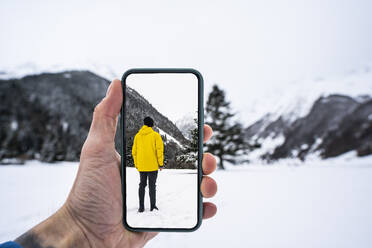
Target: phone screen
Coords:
[(161, 118)]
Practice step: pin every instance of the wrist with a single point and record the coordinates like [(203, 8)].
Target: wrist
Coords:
[(59, 230), (96, 234)]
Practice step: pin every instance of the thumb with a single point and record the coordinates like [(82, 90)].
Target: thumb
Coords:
[(105, 116)]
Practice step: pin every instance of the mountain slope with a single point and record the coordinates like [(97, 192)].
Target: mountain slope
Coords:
[(354, 133), (47, 116), (321, 118), (186, 124), (294, 100)]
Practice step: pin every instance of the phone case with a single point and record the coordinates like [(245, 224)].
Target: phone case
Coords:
[(200, 141)]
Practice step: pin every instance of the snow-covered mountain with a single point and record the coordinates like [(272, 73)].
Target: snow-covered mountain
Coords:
[(308, 117), (294, 100), (47, 116), (186, 124), (318, 118)]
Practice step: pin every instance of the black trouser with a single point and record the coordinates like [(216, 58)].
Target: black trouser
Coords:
[(152, 175)]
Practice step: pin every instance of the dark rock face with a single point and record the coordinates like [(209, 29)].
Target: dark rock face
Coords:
[(353, 133), (326, 114), (335, 124), (47, 116)]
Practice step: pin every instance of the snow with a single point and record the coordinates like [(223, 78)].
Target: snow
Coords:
[(347, 159), (186, 124), (176, 200), (14, 125), (320, 204), (268, 146), (169, 137), (64, 126), (31, 193), (316, 144), (66, 75), (19, 71), (294, 153), (295, 99), (29, 68), (304, 146)]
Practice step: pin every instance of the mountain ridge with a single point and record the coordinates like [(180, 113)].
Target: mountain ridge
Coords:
[(335, 125)]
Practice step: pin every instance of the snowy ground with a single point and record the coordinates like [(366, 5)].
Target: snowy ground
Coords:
[(321, 204), (30, 193), (176, 199)]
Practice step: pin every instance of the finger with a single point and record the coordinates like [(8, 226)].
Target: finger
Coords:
[(209, 163), (208, 187), (208, 132), (209, 210), (105, 114)]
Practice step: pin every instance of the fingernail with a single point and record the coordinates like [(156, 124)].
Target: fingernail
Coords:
[(108, 89)]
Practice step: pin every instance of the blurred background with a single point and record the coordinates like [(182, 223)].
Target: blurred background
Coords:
[(292, 79)]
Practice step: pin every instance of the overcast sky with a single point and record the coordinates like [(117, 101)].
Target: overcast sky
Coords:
[(245, 46), (173, 94)]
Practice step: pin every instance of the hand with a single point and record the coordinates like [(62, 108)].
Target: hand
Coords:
[(160, 168), (93, 211)]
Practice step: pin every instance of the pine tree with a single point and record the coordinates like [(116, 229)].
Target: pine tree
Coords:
[(193, 146), (227, 142), (190, 152)]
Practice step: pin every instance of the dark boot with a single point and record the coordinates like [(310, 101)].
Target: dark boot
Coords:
[(152, 189), (152, 208)]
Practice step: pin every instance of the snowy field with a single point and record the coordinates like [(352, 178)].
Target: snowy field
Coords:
[(176, 198), (321, 204)]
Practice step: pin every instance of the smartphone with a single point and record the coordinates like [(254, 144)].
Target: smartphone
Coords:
[(162, 146)]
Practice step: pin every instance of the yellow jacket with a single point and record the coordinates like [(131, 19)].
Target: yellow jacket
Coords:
[(147, 150)]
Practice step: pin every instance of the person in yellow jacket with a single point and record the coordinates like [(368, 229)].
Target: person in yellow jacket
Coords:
[(147, 152)]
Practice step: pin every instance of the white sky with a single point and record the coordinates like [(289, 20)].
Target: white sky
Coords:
[(245, 46), (173, 95)]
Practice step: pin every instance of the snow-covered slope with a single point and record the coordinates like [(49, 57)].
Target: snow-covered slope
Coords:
[(170, 137), (295, 99), (308, 116), (186, 124)]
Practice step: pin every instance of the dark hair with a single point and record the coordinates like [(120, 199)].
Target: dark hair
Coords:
[(148, 121)]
